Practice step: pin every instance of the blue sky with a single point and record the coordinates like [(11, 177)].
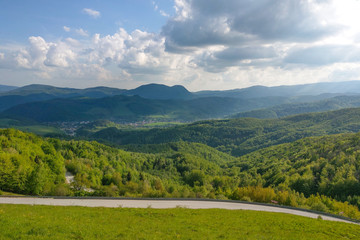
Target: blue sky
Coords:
[(201, 44), (21, 18)]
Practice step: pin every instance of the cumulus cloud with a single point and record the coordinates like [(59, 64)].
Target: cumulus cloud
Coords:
[(66, 29), (162, 12), (81, 32), (77, 31), (324, 55), (219, 61), (91, 12), (208, 22), (206, 44)]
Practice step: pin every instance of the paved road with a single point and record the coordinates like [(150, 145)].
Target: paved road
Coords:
[(130, 203)]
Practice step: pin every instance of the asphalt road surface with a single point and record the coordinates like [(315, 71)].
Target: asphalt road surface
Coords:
[(136, 203)]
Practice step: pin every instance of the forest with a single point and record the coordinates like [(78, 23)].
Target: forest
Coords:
[(304, 174)]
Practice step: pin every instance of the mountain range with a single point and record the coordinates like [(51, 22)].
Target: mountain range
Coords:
[(156, 102), (309, 159)]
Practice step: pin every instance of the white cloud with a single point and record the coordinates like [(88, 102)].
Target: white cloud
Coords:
[(59, 55), (156, 7), (66, 29), (164, 14), (82, 32), (207, 44), (91, 12)]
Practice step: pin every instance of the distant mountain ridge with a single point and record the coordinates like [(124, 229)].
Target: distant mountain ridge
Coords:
[(284, 110), (6, 88), (346, 87), (134, 108), (37, 101), (64, 92), (159, 91)]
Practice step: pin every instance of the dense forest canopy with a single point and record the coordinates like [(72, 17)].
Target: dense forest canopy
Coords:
[(319, 173), (242, 135)]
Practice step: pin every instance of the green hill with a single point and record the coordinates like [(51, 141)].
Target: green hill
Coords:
[(33, 165), (328, 165), (37, 93), (6, 88), (243, 135), (36, 166), (283, 110), (134, 108), (159, 91), (313, 89)]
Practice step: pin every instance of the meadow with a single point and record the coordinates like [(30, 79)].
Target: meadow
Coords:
[(54, 222)]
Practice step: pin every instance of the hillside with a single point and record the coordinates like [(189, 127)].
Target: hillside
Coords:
[(328, 165), (284, 110), (6, 88), (159, 91), (32, 165), (134, 108), (36, 166), (314, 89), (37, 93), (240, 136), (63, 92), (158, 102)]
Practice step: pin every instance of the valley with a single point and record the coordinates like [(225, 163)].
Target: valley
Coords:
[(181, 119), (293, 160)]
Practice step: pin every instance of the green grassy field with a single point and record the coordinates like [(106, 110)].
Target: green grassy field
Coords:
[(50, 222), (29, 127)]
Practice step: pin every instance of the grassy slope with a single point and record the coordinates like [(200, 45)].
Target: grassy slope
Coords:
[(29, 126), (49, 222)]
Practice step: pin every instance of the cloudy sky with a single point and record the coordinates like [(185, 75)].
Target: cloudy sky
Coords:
[(201, 44)]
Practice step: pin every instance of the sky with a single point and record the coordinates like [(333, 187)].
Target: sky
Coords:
[(200, 44)]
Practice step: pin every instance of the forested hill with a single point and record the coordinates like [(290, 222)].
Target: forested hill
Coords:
[(243, 135), (134, 108), (312, 89), (283, 110), (32, 165), (328, 165), (36, 166), (6, 88)]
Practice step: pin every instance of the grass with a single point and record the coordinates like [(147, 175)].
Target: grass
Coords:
[(162, 124), (3, 193), (50, 222), (29, 127), (39, 129)]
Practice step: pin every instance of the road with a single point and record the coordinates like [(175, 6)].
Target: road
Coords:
[(153, 203)]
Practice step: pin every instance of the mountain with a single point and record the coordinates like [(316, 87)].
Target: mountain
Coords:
[(174, 103), (307, 107), (123, 108), (5, 88), (36, 93), (349, 87), (159, 91), (244, 135), (95, 92)]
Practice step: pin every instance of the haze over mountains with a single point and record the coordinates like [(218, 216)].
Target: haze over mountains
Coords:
[(157, 102)]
